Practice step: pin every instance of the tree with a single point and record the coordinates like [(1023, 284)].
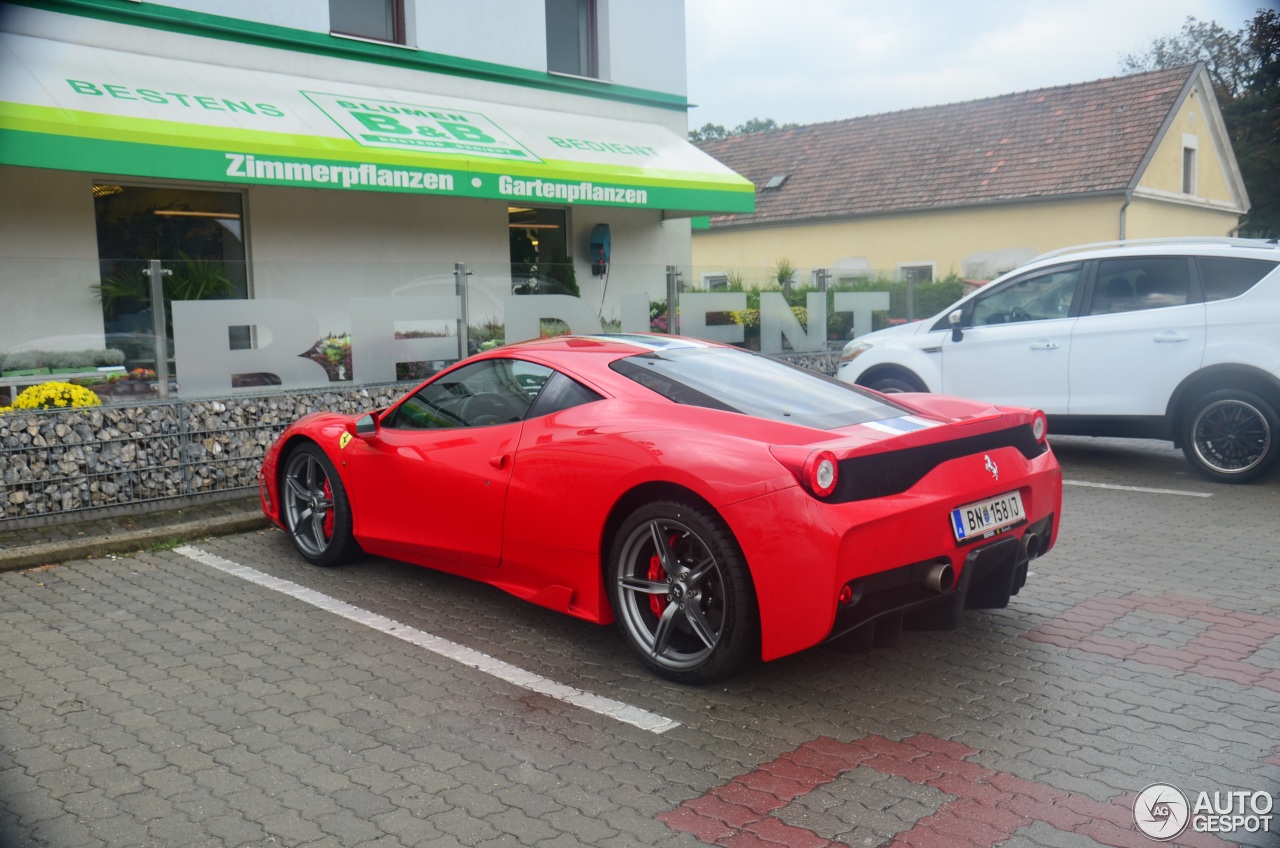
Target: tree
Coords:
[(1244, 68), (714, 132)]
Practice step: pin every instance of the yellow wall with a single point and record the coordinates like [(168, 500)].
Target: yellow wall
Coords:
[(1156, 219), (957, 241), (1164, 173)]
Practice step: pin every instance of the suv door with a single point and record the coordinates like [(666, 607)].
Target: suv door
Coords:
[(1141, 332), (1016, 341)]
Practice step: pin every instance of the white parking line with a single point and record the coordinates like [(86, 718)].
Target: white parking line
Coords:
[(617, 710), (1137, 489)]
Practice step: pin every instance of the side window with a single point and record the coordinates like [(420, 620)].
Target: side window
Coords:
[(561, 392), (1224, 277), (1143, 282), (495, 391), (380, 20), (1040, 297), (573, 45)]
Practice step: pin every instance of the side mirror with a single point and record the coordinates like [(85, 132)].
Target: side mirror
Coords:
[(364, 427), (954, 320)]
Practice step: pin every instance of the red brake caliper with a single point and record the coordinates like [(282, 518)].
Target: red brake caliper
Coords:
[(328, 518), (658, 603)]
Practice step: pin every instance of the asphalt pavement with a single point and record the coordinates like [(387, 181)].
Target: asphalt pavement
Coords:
[(200, 685)]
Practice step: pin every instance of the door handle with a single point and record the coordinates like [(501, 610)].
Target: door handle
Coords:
[(1170, 336), (499, 461), (1044, 344)]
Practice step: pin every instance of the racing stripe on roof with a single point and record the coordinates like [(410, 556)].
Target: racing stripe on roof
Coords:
[(647, 342), (905, 424)]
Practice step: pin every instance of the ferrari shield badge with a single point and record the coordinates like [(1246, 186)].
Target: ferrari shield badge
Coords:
[(343, 441)]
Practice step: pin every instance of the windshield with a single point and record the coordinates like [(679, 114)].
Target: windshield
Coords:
[(738, 381)]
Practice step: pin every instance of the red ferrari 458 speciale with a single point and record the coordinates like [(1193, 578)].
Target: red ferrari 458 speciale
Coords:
[(720, 505)]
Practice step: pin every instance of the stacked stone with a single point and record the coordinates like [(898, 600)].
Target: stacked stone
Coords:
[(72, 460)]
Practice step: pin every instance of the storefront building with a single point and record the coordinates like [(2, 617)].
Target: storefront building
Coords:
[(334, 192)]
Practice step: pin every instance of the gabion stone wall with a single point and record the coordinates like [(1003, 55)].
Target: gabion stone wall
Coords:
[(65, 462), (58, 464)]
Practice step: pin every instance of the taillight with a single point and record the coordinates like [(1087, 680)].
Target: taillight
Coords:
[(1040, 427), (821, 473)]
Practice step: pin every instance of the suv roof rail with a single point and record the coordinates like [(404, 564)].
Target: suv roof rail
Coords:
[(1225, 241)]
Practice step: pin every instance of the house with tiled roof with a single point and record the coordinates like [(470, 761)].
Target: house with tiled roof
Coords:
[(977, 188)]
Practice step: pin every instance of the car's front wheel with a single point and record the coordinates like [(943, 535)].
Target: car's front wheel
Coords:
[(682, 593), (316, 511), (1231, 436)]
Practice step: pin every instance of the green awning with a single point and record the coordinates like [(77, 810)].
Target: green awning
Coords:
[(107, 112)]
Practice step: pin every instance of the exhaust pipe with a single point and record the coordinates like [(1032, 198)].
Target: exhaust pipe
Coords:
[(1031, 545), (940, 578)]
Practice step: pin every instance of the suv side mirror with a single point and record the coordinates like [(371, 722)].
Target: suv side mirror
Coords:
[(954, 320)]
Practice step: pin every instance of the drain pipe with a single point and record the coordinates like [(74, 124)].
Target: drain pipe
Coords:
[(1128, 198)]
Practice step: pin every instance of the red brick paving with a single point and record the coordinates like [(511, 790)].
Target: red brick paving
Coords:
[(1220, 652), (987, 806)]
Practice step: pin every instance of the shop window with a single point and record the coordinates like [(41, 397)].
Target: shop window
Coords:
[(540, 260), (573, 45), (198, 236), (380, 20)]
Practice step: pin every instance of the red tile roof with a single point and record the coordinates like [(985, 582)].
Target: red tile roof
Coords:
[(1070, 140)]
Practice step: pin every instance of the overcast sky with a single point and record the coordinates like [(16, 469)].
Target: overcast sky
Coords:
[(805, 61)]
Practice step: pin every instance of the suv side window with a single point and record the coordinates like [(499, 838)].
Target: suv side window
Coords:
[(1225, 277), (1040, 297), (494, 391), (1143, 282)]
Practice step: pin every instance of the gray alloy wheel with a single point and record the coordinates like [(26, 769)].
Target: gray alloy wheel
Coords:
[(315, 507), (682, 593), (1231, 436)]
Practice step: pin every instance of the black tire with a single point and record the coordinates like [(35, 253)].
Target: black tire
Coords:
[(892, 385), (315, 508), (1231, 436), (682, 594)]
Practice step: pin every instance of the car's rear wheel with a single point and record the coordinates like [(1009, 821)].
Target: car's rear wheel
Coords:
[(682, 593), (316, 511), (1231, 436)]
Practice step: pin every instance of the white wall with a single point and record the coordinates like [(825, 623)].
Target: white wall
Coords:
[(644, 41), (299, 14), (48, 261), (647, 44), (506, 32)]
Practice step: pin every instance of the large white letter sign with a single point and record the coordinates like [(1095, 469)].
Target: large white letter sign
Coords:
[(694, 307), (375, 350), (777, 320), (861, 304), (526, 311), (202, 350)]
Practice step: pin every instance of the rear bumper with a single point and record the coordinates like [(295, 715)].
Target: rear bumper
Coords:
[(883, 550), (883, 605)]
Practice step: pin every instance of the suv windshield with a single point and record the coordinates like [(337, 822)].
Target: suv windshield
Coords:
[(738, 381)]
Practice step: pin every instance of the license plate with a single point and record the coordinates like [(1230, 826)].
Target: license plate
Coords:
[(986, 517)]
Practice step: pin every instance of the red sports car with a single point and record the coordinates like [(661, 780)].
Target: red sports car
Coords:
[(721, 506)]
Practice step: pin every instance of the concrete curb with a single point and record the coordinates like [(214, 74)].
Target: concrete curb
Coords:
[(31, 556)]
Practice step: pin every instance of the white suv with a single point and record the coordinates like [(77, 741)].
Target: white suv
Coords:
[(1175, 340)]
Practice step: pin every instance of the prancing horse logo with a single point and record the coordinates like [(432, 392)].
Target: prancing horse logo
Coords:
[(992, 467)]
